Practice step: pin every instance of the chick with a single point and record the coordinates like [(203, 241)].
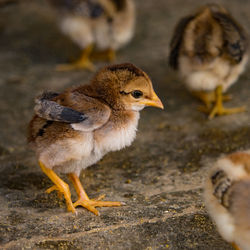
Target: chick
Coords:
[(209, 49), (105, 115), (98, 27), (227, 198)]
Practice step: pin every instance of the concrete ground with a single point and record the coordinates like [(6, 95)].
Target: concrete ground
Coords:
[(159, 177)]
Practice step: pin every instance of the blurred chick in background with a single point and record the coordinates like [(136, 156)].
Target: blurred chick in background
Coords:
[(98, 27), (227, 198), (209, 49)]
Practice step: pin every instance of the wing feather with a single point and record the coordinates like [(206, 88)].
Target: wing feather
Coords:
[(176, 41), (82, 112), (235, 40)]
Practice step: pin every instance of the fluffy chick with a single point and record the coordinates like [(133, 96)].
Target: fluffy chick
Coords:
[(227, 198), (209, 49), (75, 129), (98, 27)]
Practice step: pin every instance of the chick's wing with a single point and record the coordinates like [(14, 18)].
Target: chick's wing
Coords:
[(84, 113), (235, 40), (177, 40)]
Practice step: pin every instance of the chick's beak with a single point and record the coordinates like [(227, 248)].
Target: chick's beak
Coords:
[(153, 101)]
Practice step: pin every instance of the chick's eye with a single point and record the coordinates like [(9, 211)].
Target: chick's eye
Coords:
[(136, 94)]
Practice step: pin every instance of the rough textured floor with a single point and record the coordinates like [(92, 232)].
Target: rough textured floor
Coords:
[(159, 177)]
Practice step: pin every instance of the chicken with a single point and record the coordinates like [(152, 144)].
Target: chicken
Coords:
[(209, 50), (227, 198), (98, 27), (75, 129)]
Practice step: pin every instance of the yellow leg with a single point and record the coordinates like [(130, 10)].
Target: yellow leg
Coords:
[(235, 246), (105, 55), (60, 186), (218, 108), (209, 97), (82, 63), (83, 199)]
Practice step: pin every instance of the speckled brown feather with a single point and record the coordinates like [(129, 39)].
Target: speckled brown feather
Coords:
[(43, 131)]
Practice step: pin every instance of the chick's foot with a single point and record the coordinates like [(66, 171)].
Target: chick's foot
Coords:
[(91, 204), (104, 55), (83, 62), (218, 108), (84, 201), (209, 97)]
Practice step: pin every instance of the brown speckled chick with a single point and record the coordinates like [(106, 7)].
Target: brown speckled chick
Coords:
[(75, 129), (98, 27), (209, 49), (227, 198)]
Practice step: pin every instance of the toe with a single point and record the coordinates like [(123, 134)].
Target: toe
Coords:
[(51, 189), (64, 67), (87, 205), (92, 209), (106, 203)]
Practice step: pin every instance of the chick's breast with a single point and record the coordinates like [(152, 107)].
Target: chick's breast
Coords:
[(118, 133)]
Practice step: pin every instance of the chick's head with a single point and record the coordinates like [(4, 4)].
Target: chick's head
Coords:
[(126, 86), (138, 93)]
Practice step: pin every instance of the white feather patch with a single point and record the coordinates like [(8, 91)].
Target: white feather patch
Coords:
[(208, 77)]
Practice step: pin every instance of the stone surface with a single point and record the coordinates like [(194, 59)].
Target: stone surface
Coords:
[(159, 177)]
